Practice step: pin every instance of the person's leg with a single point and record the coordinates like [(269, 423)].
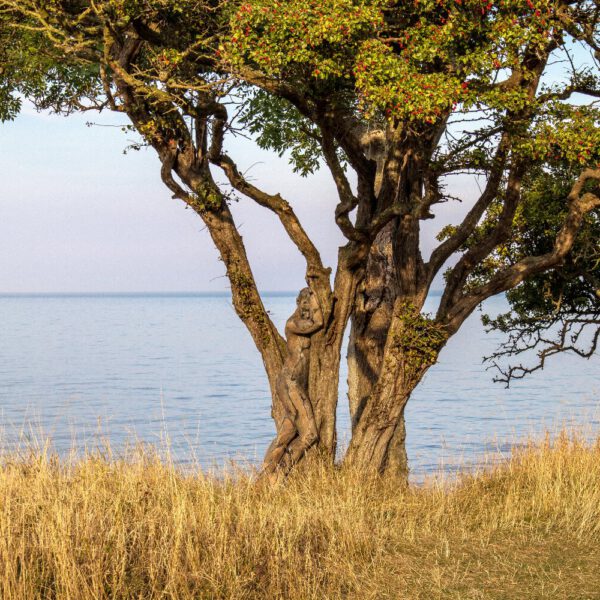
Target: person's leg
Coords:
[(285, 435), (286, 432), (305, 425)]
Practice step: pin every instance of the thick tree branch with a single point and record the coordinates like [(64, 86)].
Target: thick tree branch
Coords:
[(567, 92), (273, 202), (281, 208), (526, 77), (379, 221), (579, 205), (473, 257), (348, 201)]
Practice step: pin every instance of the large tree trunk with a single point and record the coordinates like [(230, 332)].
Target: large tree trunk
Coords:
[(370, 323), (379, 379), (412, 345), (379, 438), (391, 347)]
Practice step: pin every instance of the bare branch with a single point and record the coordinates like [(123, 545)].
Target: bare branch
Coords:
[(525, 339), (441, 254)]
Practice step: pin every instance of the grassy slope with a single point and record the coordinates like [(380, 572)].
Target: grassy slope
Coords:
[(138, 528)]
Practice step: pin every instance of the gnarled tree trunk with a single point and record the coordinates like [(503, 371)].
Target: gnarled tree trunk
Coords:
[(412, 345), (371, 318), (391, 347)]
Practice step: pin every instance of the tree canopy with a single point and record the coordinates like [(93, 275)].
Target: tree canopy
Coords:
[(394, 99)]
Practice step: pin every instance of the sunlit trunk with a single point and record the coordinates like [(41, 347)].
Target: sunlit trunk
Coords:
[(391, 347), (379, 435)]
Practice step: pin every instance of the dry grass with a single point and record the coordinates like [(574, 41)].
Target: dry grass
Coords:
[(140, 528)]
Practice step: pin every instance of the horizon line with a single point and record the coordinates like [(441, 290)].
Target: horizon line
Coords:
[(150, 293)]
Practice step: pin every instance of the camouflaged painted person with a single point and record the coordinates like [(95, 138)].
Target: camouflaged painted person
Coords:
[(298, 431)]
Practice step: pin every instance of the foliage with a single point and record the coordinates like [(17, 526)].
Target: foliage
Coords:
[(559, 309), (10, 105), (277, 125), (565, 134), (295, 39), (28, 69), (10, 102), (419, 338), (411, 61), (418, 62)]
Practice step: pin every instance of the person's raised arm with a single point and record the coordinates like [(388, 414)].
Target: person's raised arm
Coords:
[(301, 326)]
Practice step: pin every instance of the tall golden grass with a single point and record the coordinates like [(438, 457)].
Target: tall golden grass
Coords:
[(138, 527)]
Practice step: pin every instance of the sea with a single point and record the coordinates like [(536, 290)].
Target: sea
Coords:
[(179, 372)]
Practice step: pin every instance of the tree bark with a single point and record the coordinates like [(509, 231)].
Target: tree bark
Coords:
[(391, 347), (379, 434), (326, 349), (370, 323)]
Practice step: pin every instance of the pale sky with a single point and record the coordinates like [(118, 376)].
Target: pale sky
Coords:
[(78, 215)]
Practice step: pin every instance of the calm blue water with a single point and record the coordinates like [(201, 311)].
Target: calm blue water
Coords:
[(80, 369)]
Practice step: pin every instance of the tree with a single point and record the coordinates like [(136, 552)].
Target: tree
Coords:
[(393, 98)]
